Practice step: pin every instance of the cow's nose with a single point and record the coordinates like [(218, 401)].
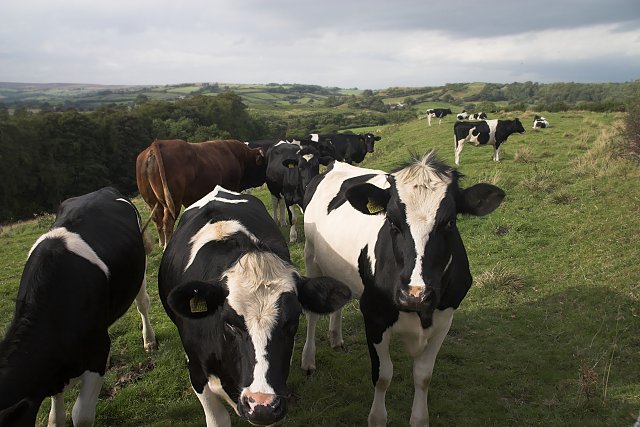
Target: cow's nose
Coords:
[(263, 408), (414, 298)]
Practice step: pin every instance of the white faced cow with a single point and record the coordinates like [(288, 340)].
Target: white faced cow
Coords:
[(392, 238), (79, 278), (227, 282), (486, 132)]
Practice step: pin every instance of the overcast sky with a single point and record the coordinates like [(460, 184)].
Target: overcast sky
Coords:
[(346, 43)]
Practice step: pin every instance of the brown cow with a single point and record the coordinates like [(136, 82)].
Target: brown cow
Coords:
[(174, 173)]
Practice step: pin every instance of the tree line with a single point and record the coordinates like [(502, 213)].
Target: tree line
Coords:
[(48, 156)]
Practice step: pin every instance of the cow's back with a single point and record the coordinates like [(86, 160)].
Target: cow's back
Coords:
[(110, 225), (336, 233)]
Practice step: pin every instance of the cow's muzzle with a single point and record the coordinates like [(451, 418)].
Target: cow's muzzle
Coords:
[(414, 298), (262, 409)]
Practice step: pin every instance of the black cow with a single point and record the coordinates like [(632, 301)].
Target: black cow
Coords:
[(79, 278), (540, 122), (392, 238), (227, 282), (351, 148), (487, 132), (290, 168), (439, 113)]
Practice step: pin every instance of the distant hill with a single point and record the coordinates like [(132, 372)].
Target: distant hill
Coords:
[(556, 96)]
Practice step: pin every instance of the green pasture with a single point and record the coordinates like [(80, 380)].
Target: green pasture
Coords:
[(549, 335)]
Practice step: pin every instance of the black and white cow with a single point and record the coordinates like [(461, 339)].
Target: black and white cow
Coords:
[(487, 132), (227, 282), (79, 278), (290, 168), (352, 148), (392, 238), (439, 113), (463, 115), (477, 116), (540, 122)]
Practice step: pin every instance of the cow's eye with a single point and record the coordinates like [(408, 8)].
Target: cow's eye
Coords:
[(450, 225)]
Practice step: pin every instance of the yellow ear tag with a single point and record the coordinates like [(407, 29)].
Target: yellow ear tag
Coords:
[(374, 207), (290, 165), (197, 304)]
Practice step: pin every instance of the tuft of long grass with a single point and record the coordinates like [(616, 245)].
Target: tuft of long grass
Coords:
[(502, 279)]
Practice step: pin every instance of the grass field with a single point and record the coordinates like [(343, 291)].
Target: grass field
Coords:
[(548, 335)]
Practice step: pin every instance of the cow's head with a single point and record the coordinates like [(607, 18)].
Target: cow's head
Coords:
[(252, 312), (255, 169), (369, 140), (517, 126), (300, 170), (415, 244)]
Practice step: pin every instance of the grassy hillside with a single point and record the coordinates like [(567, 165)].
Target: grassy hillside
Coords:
[(548, 334)]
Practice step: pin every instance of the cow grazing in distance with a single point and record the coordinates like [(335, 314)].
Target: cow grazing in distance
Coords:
[(487, 132), (79, 278), (439, 113), (463, 115), (392, 238), (290, 168), (174, 173), (540, 122), (227, 282)]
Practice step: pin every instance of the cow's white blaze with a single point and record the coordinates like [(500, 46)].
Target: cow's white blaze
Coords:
[(421, 190), (215, 231), (74, 243), (255, 285)]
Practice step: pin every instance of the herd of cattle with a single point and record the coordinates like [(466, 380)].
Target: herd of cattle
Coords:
[(226, 279)]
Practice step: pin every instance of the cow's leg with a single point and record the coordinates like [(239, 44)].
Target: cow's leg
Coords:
[(308, 364), (496, 153), (429, 119), (459, 146), (293, 219), (57, 414), (381, 375), (157, 218), (335, 330), (282, 205), (423, 367), (142, 304), (274, 204), (84, 410), (215, 413)]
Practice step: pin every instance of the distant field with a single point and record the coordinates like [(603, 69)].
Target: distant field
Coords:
[(547, 336)]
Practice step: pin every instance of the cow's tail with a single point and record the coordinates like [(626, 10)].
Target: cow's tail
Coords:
[(147, 238), (166, 194)]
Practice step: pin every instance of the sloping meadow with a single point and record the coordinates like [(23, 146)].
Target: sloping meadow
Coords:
[(548, 334)]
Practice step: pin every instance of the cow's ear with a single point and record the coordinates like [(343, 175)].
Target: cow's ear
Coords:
[(325, 160), (290, 163), (260, 158), (480, 199), (322, 295), (368, 199), (197, 299), (377, 138)]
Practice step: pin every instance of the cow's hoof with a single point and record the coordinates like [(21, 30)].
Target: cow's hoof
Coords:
[(340, 348), (309, 371), (151, 346)]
